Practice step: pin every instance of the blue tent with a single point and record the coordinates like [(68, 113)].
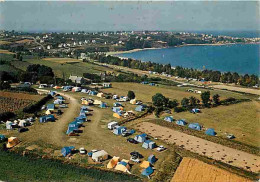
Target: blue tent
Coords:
[(116, 104), (148, 144), (152, 84), (82, 114), (181, 122), (169, 119), (46, 118), (93, 93), (210, 132), (51, 106), (152, 159), (74, 124), (52, 93), (119, 130), (195, 110), (60, 97), (84, 108), (148, 171), (71, 129), (140, 138), (132, 131), (66, 150), (116, 109), (103, 105), (2, 137), (81, 118), (58, 101), (145, 82), (195, 126)]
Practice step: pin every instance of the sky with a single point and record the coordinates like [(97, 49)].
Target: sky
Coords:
[(122, 15)]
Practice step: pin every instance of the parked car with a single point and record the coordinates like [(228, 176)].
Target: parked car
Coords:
[(160, 148), (21, 130), (82, 150), (231, 136), (131, 140)]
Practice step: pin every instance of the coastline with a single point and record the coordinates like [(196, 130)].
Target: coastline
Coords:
[(136, 50)]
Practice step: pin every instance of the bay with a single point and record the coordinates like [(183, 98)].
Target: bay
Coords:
[(240, 58)]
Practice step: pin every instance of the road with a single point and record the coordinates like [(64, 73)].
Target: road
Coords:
[(203, 147)]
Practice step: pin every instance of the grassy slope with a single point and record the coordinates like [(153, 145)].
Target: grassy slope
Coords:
[(16, 168)]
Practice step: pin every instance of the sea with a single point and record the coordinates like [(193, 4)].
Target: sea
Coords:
[(240, 58)]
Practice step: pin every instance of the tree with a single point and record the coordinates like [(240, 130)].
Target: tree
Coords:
[(194, 101), (21, 58), (205, 96), (131, 94), (172, 103), (185, 102), (216, 99), (159, 100)]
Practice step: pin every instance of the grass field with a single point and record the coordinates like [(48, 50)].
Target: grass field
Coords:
[(14, 167), (74, 67), (2, 42), (196, 171), (62, 60), (145, 92), (24, 41)]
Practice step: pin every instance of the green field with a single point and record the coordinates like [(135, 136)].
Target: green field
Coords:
[(14, 167)]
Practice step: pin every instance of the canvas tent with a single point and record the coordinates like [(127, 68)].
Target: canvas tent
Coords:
[(117, 109), (181, 122), (100, 95), (8, 125), (195, 110), (22, 123), (168, 119), (92, 93), (195, 126), (97, 102), (152, 159), (116, 104), (12, 141), (46, 118), (117, 115), (48, 112), (85, 102), (148, 171), (113, 162), (133, 101), (103, 105), (123, 166), (58, 101), (140, 138), (145, 164), (140, 108), (210, 132), (148, 144), (2, 138), (50, 107), (100, 156), (67, 150), (60, 97), (119, 130)]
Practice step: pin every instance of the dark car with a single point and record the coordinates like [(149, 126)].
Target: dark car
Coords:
[(131, 140), (21, 130)]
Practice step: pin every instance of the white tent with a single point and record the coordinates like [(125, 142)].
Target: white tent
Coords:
[(9, 125), (22, 123), (97, 102), (100, 156)]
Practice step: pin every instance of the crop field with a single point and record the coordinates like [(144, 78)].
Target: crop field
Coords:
[(197, 171), (15, 101), (3, 42), (5, 51), (239, 119), (22, 168), (24, 41)]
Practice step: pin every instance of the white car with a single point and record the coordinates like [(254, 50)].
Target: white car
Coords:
[(160, 148), (82, 151)]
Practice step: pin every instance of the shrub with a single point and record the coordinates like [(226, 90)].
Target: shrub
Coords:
[(36, 106), (6, 115)]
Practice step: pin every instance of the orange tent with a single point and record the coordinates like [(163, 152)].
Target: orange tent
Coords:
[(145, 164), (113, 162), (84, 102), (116, 115), (12, 141)]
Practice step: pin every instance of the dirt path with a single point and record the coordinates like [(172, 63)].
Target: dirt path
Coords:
[(203, 147), (239, 89)]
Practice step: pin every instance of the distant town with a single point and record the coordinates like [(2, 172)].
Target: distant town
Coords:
[(71, 44)]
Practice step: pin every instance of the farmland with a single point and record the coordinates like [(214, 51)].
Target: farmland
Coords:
[(14, 167), (194, 170), (14, 102), (5, 52)]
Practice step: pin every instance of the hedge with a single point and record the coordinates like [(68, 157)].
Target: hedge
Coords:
[(37, 106)]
